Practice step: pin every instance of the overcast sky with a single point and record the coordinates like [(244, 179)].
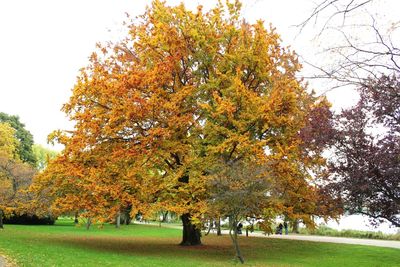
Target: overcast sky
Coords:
[(44, 43)]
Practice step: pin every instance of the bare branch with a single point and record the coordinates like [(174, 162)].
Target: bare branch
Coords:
[(340, 10)]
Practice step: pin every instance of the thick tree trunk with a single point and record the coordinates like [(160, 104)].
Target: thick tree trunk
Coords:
[(1, 219), (191, 235)]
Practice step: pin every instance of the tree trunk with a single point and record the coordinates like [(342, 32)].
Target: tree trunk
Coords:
[(127, 215), (218, 222), (127, 218), (118, 220), (209, 227), (164, 216), (1, 219), (295, 226), (76, 218), (88, 223), (191, 235), (233, 236)]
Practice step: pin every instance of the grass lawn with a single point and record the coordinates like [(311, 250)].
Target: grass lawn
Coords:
[(144, 245)]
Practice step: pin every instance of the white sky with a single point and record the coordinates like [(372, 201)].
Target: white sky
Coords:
[(43, 44)]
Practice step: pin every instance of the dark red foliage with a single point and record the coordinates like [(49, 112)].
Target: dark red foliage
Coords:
[(319, 130), (366, 169)]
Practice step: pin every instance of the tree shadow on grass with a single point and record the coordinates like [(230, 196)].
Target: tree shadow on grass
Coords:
[(214, 248), (217, 250)]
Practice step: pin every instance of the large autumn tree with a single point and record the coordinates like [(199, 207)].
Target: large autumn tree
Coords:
[(184, 95)]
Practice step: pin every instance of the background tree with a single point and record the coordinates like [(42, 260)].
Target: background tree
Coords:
[(8, 147), (155, 111), (15, 176), (43, 156), (15, 179), (240, 191), (366, 169), (366, 57), (365, 42), (8, 142), (24, 137)]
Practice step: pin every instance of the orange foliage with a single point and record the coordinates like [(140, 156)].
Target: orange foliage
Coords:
[(156, 111)]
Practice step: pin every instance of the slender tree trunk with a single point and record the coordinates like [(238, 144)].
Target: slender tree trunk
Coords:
[(209, 227), (127, 213), (118, 220), (127, 218), (164, 216), (218, 222), (233, 236), (1, 219), (295, 226), (191, 235), (88, 223), (76, 218)]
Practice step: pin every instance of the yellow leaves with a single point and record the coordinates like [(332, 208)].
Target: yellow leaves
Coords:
[(8, 141), (15, 178), (183, 91), (225, 107)]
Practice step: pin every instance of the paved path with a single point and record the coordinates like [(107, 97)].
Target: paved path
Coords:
[(6, 262), (2, 262), (316, 238), (331, 239)]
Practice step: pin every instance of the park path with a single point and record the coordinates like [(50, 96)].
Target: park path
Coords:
[(315, 238), (2, 261), (6, 262), (330, 239)]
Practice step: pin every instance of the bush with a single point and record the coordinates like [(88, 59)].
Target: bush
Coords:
[(29, 220)]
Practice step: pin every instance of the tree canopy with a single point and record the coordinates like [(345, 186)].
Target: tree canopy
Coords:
[(366, 169), (14, 175), (43, 156), (24, 137), (365, 154), (8, 142), (185, 95)]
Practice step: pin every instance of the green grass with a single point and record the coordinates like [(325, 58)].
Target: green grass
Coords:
[(142, 245)]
